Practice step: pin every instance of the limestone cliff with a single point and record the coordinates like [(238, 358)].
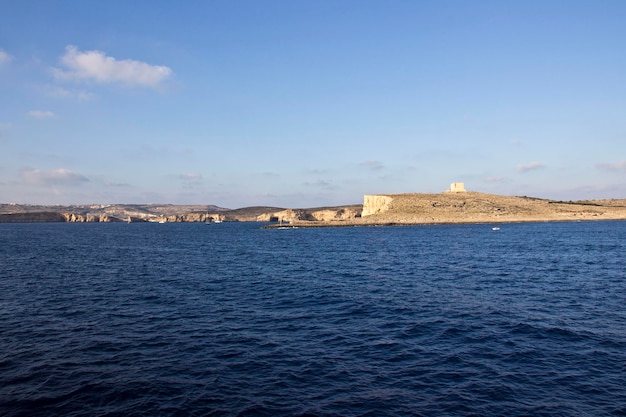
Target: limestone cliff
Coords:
[(473, 207), (321, 214), (88, 218), (170, 213), (376, 204), (345, 213), (63, 217), (183, 218), (288, 215)]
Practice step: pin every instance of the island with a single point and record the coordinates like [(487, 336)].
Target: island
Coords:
[(455, 205)]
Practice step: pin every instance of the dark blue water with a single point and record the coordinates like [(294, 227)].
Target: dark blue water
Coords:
[(233, 320)]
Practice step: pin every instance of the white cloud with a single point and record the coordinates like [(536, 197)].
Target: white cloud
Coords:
[(4, 57), (531, 166), (60, 176), (41, 114), (97, 66), (616, 166)]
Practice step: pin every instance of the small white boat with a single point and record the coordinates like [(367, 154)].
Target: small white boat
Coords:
[(495, 228)]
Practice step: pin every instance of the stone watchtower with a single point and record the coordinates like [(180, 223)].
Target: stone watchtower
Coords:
[(457, 187)]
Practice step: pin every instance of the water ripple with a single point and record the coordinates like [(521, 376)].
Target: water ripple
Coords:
[(179, 319)]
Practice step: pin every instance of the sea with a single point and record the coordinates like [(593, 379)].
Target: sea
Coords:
[(230, 319)]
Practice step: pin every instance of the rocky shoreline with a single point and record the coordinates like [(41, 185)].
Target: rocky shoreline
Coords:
[(14, 213), (472, 207), (377, 210)]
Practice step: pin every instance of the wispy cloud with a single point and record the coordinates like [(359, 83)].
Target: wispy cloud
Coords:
[(60, 176), (316, 171), (41, 114), (531, 166), (496, 180), (115, 184), (615, 166), (4, 57), (97, 66), (195, 176), (372, 165), (62, 93), (319, 183)]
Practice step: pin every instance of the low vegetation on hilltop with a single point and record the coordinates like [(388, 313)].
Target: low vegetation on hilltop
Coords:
[(447, 207), (473, 207)]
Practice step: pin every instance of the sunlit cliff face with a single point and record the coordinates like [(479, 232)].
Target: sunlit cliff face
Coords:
[(374, 204)]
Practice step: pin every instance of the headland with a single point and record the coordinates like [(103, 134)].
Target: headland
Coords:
[(452, 206), (473, 207)]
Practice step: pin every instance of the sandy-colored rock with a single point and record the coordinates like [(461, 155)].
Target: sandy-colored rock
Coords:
[(446, 207), (472, 207), (375, 204), (345, 213)]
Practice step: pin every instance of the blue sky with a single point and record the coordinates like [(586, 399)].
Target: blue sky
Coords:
[(306, 104)]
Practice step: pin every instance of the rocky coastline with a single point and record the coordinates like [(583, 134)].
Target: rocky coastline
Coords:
[(377, 210), (115, 213), (471, 207)]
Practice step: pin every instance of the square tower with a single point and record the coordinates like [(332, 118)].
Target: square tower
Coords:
[(457, 187)]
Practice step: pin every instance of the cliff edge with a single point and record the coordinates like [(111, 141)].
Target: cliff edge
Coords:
[(473, 207)]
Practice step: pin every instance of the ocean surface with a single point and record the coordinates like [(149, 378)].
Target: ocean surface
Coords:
[(233, 320)]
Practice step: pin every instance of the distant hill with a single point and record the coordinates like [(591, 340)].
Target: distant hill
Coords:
[(164, 213), (148, 209), (98, 212), (382, 209)]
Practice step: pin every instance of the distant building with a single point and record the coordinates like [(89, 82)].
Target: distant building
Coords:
[(457, 187)]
